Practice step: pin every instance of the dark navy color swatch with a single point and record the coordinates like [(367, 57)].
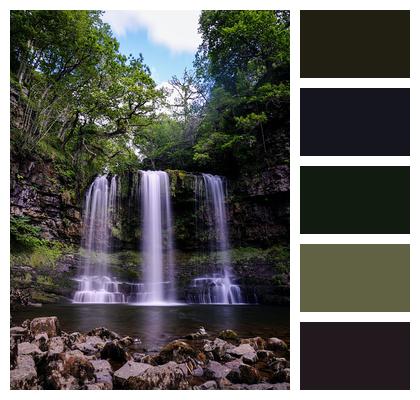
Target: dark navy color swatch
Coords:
[(355, 122)]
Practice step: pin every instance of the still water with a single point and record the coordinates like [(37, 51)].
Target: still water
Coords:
[(156, 325)]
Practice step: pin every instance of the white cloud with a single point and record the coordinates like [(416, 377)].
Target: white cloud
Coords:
[(177, 30)]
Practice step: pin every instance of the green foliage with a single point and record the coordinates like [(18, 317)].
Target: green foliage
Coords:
[(23, 233)]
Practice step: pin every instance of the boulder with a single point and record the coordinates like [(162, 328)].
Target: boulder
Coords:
[(209, 385), (167, 376), (178, 351), (56, 345), (242, 373), (214, 370), (41, 340), (128, 370), (19, 333), (103, 373), (265, 355), (126, 341), (24, 376), (47, 325), (200, 334), (241, 350), (228, 334), (217, 348), (114, 352), (104, 333), (91, 345), (27, 348), (276, 344), (250, 358), (257, 343)]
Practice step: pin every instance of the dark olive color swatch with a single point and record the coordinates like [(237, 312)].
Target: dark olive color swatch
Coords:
[(355, 355), (355, 200), (355, 277), (355, 44), (355, 122)]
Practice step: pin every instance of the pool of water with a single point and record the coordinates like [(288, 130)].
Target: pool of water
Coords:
[(156, 325)]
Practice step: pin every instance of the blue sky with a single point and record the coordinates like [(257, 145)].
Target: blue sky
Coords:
[(167, 40)]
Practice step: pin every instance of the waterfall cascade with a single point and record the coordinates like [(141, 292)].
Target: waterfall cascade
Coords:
[(210, 193), (157, 243), (95, 284)]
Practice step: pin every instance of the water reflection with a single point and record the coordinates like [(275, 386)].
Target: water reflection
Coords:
[(156, 325)]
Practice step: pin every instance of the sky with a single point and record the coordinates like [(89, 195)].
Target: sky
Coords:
[(167, 40)]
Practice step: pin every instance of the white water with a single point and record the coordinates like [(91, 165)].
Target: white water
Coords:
[(220, 287), (95, 284), (157, 243)]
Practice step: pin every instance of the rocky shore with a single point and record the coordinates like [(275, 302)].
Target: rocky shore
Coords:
[(42, 356)]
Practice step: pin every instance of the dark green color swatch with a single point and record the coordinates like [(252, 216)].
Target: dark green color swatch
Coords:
[(355, 277), (352, 200), (355, 44)]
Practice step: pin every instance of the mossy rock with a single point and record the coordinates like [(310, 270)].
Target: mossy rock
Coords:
[(228, 334)]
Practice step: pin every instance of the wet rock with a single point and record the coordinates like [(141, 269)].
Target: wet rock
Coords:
[(126, 341), (177, 351), (209, 385), (24, 376), (69, 370), (257, 343), (250, 358), (265, 355), (241, 350), (41, 340), (167, 376), (13, 352), (128, 370), (91, 345), (103, 373), (276, 344), (138, 357), (47, 325), (200, 334), (242, 373), (56, 345), (217, 348), (197, 372), (260, 386), (27, 348), (104, 333), (114, 352), (215, 370), (228, 334)]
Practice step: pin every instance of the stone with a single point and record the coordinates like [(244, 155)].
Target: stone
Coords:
[(103, 373), (24, 376), (242, 373), (257, 343), (47, 325), (41, 340), (13, 352), (228, 334), (56, 345), (250, 358), (200, 334), (169, 376), (114, 352), (126, 341), (240, 350), (27, 348), (214, 370), (177, 351), (138, 357), (104, 333), (259, 386), (276, 344), (91, 345), (198, 371), (128, 370), (217, 348), (209, 385), (265, 355)]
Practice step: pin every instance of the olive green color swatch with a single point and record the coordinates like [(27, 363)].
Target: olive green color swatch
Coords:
[(355, 277), (355, 200), (355, 44)]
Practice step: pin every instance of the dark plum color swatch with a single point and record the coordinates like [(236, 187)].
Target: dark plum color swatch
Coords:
[(355, 44), (355, 122), (355, 355)]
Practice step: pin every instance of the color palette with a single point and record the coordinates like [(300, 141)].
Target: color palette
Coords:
[(358, 120), (355, 44), (355, 122), (355, 277), (355, 355), (355, 200)]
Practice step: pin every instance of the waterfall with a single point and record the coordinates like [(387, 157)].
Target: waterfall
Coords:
[(95, 284), (220, 287), (157, 242)]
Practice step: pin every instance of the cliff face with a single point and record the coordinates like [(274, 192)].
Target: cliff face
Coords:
[(37, 193), (258, 223)]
